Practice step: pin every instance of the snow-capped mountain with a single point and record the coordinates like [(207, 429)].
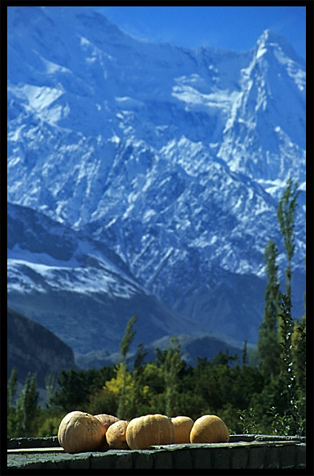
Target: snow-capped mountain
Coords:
[(78, 288), (172, 160)]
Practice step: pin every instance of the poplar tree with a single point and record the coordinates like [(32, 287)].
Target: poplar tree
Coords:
[(124, 348), (286, 217), (268, 345), (173, 363)]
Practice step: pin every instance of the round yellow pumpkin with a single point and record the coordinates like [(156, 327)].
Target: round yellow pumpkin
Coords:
[(145, 431), (79, 431), (182, 429), (116, 435), (209, 429)]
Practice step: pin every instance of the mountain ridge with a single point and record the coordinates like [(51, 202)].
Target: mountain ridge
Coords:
[(172, 159), (80, 293), (34, 349)]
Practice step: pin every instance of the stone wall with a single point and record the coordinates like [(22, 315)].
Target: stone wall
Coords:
[(241, 452)]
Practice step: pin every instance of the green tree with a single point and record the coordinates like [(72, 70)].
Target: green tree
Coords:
[(12, 384), (49, 426), (127, 339), (280, 405), (173, 364), (76, 386), (286, 217), (153, 379), (244, 353), (268, 345), (124, 348), (103, 399), (295, 396), (299, 351), (50, 383), (74, 390), (137, 404), (287, 329), (27, 406)]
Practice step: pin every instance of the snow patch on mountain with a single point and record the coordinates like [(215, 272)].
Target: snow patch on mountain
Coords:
[(25, 275)]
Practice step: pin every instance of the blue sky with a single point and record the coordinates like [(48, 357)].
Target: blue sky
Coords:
[(236, 28)]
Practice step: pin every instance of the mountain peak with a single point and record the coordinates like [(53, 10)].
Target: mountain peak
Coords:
[(271, 41), (270, 36)]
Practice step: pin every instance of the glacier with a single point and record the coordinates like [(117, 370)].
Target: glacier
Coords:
[(171, 159)]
